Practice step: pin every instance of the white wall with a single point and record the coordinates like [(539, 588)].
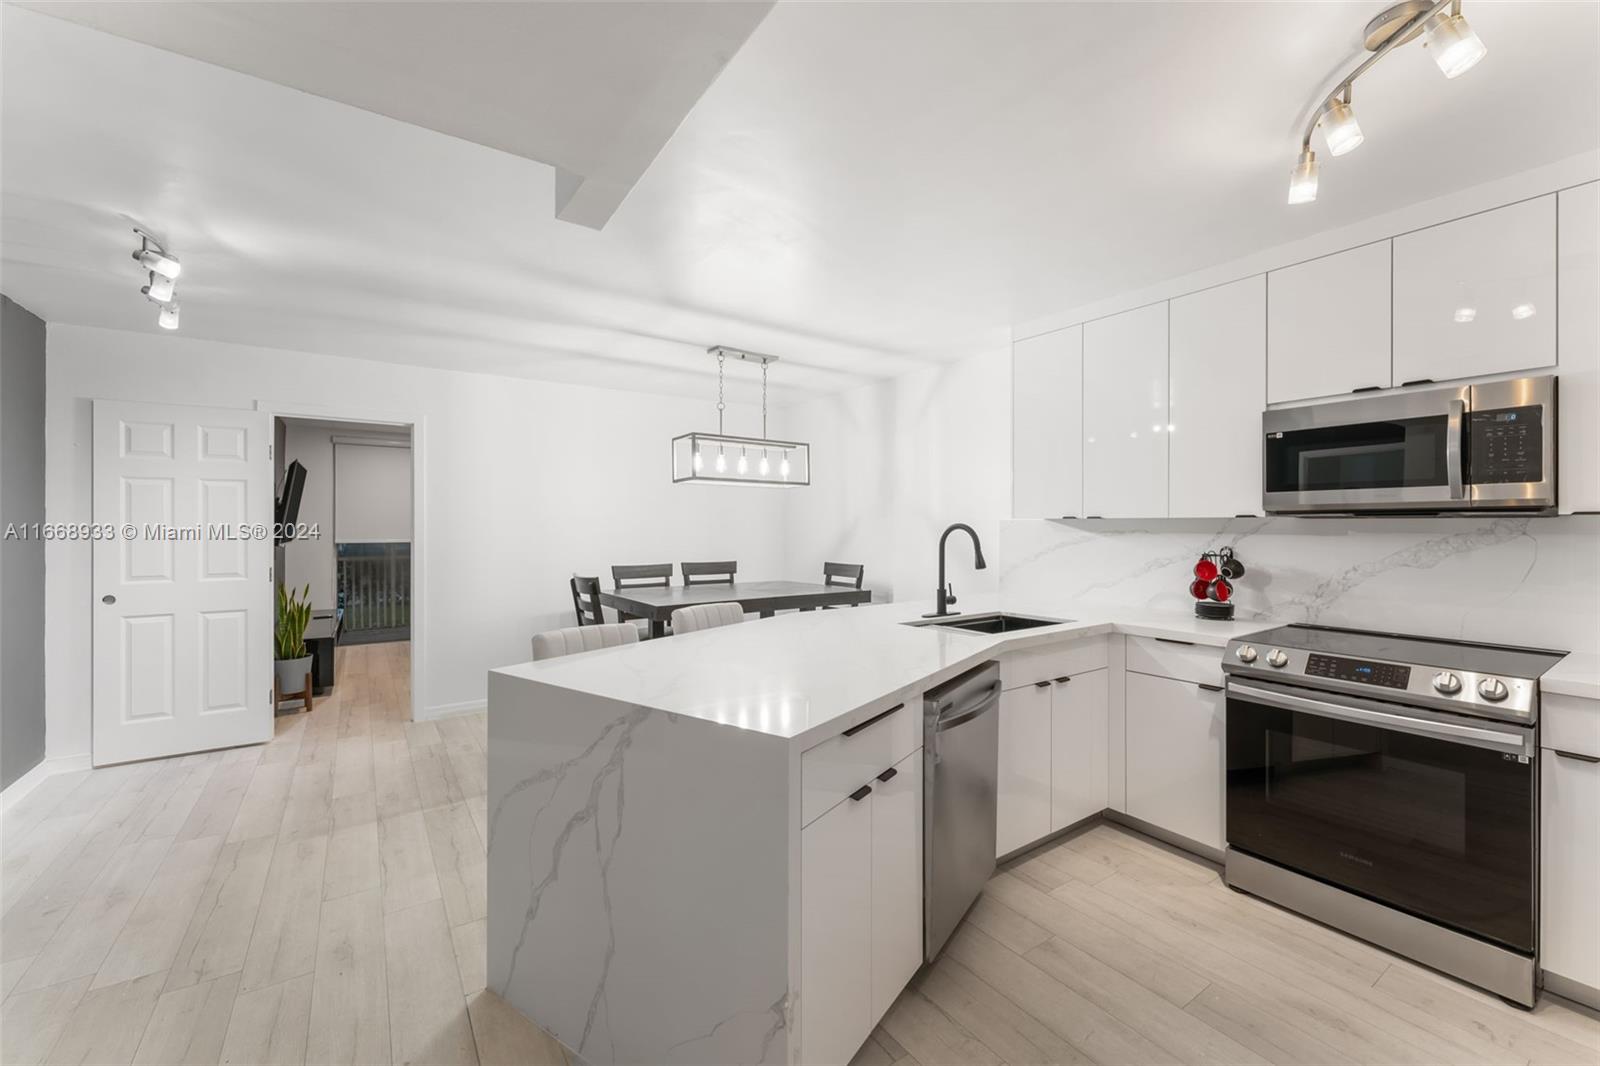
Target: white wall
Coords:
[(893, 464), (524, 482)]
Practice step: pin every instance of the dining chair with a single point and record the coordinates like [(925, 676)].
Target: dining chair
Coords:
[(843, 575), (706, 616), (708, 573), (586, 600), (640, 576), (558, 642)]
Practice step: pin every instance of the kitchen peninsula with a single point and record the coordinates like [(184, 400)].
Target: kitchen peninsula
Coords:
[(649, 805)]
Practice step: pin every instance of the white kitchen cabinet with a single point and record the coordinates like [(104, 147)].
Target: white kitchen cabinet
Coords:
[(1125, 414), (835, 931), (1022, 791), (1046, 425), (1578, 348), (1477, 295), (1328, 325), (1569, 863), (1079, 747), (1218, 370), (1175, 767), (896, 882)]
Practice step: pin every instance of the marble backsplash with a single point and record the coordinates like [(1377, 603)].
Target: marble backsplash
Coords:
[(1530, 581)]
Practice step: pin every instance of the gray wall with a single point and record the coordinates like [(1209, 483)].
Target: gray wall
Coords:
[(21, 561)]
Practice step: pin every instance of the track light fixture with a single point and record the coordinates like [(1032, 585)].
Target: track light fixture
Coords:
[(1454, 46), (163, 269)]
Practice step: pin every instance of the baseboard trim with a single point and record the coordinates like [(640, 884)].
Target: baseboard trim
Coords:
[(1567, 988), (31, 780), (453, 710)]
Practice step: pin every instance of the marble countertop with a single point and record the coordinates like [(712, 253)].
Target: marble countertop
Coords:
[(795, 676), (1576, 675)]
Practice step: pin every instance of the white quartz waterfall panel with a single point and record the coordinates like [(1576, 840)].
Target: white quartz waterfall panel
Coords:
[(639, 878)]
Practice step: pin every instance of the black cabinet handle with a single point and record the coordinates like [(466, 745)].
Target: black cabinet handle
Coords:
[(1369, 388), (861, 793), (1207, 688), (1579, 756), (1416, 381), (1041, 684), (853, 730), (1169, 640), (1063, 679), (888, 774)]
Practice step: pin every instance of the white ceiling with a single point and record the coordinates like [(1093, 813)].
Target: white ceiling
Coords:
[(593, 89), (866, 188)]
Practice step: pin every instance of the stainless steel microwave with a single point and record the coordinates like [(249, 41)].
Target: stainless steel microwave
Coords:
[(1478, 447)]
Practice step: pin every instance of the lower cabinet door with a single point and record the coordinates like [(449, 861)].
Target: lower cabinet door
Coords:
[(1079, 747), (1022, 800), (1175, 756), (1569, 865), (835, 930), (896, 882)]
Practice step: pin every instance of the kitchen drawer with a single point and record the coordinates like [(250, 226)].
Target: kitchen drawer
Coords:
[(1570, 723), (1200, 663), (835, 768), (1048, 663)]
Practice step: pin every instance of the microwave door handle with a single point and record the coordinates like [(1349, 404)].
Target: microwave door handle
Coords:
[(1452, 449)]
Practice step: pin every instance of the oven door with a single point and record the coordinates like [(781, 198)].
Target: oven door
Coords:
[(1401, 452), (1433, 814)]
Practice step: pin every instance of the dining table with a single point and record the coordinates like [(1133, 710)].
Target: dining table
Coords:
[(656, 604)]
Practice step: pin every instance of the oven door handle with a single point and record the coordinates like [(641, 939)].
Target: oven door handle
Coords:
[(1513, 740), (1453, 449)]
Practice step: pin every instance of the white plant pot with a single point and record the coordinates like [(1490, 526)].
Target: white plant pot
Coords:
[(292, 673)]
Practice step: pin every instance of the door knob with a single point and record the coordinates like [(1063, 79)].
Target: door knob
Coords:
[(108, 599)]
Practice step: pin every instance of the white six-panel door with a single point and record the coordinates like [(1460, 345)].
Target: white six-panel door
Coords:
[(183, 607)]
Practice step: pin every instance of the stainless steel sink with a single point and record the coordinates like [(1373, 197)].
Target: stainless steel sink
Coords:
[(992, 622)]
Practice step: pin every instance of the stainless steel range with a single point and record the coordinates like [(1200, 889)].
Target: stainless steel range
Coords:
[(1388, 785)]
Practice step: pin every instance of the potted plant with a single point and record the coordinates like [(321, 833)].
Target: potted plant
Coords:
[(293, 661)]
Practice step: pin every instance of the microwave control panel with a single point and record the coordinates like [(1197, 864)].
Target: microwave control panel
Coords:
[(1505, 446), (1389, 675)]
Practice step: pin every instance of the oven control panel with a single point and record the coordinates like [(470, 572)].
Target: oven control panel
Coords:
[(1389, 675)]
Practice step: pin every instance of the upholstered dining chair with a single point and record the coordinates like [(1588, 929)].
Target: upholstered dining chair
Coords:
[(558, 642), (586, 600), (719, 573), (706, 616)]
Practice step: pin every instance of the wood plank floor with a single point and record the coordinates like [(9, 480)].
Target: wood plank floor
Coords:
[(321, 899)]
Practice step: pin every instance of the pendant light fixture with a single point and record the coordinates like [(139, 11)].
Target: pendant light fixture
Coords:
[(1454, 46), (723, 459)]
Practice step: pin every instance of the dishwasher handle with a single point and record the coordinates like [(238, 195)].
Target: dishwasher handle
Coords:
[(969, 710)]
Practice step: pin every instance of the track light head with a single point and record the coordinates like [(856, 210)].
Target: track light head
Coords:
[(1340, 127), (1303, 178), (168, 318), (1455, 47), (158, 262), (160, 290)]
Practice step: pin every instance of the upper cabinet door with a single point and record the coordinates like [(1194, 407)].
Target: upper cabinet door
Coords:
[(1328, 325), (1578, 420), (1125, 414), (1218, 366), (1046, 425), (1477, 295)]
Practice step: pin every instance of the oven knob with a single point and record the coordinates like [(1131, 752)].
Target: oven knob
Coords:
[(1493, 689), (1277, 659), (1447, 683), (1246, 653)]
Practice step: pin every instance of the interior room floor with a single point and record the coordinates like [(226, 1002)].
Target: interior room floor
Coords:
[(320, 899)]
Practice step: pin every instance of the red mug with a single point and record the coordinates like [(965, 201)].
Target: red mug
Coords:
[(1205, 569), (1220, 590), (1200, 589)]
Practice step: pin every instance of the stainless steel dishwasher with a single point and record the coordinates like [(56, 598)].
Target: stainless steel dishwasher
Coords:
[(960, 753)]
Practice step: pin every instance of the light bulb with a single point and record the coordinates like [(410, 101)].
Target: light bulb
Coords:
[(158, 263), (1454, 46), (1466, 314), (766, 467), (1303, 179), (744, 464), (722, 462), (160, 289), (168, 318), (1155, 428), (783, 467), (1339, 125), (698, 460), (1522, 311)]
